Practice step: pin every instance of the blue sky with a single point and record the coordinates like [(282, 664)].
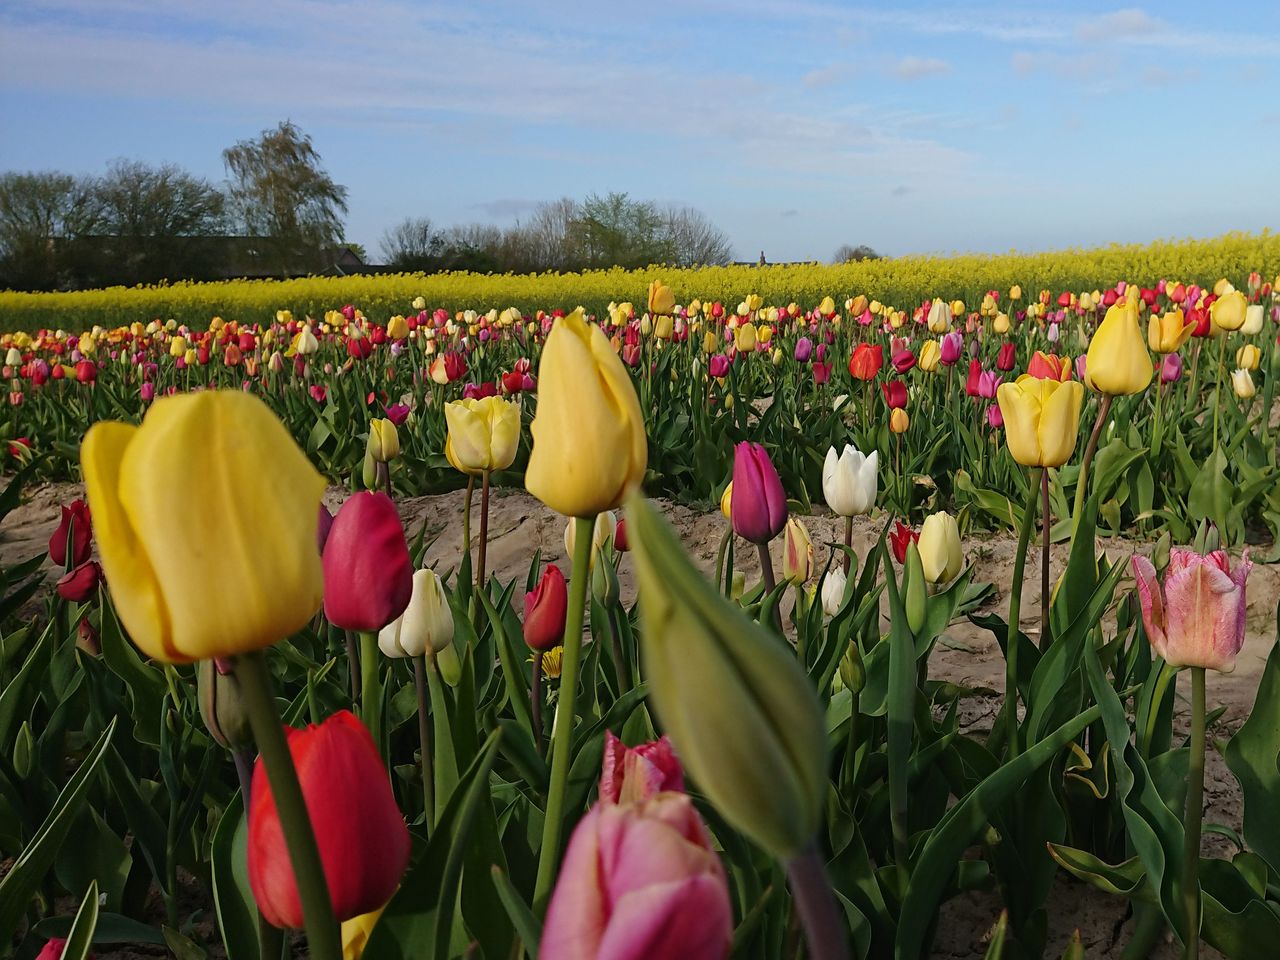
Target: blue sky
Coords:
[(796, 126)]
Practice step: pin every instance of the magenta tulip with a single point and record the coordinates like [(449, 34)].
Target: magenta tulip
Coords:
[(1171, 368), (951, 347), (1196, 617), (368, 575), (759, 505)]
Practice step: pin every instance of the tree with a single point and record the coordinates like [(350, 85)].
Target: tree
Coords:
[(41, 214), (846, 253), (617, 231), (412, 244), (280, 191), (695, 240), (158, 223)]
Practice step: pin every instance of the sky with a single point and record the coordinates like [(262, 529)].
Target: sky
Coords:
[(795, 125)]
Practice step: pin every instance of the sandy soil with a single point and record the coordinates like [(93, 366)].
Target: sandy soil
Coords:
[(519, 524)]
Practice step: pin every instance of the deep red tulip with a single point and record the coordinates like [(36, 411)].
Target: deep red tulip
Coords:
[(86, 371), (53, 950), (455, 367), (1008, 356), (1203, 323), (634, 774), (866, 361), (544, 610), (368, 574), (363, 841), (895, 394), (76, 522), (903, 360), (323, 525), (971, 383), (80, 584), (758, 507), (821, 372), (901, 537), (620, 537)]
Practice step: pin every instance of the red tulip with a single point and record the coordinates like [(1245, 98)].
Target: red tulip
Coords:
[(363, 841), (1201, 317), (86, 371), (53, 950), (80, 584), (866, 361), (901, 537), (544, 610), (895, 394), (76, 523), (903, 360), (758, 508), (1048, 366), (620, 536), (1008, 356), (975, 375), (359, 348), (368, 574), (821, 372)]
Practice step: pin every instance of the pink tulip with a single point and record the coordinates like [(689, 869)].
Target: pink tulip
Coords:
[(640, 881), (1171, 368), (951, 346), (1196, 617), (759, 504), (636, 774)]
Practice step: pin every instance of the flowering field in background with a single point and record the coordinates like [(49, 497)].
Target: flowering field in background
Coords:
[(486, 766), (900, 280)]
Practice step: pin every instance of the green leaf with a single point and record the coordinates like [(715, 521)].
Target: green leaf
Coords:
[(1127, 879), (1253, 756), (522, 918), (232, 899), (182, 947), (29, 869), (145, 684), (80, 939), (958, 827), (11, 698), (111, 928), (995, 949)]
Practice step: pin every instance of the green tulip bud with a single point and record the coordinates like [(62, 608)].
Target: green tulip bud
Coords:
[(739, 709), (913, 589), (224, 715), (604, 578), (853, 674)]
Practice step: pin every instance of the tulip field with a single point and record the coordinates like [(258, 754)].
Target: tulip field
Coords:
[(684, 627)]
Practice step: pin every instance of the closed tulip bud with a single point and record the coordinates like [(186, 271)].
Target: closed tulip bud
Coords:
[(914, 593), (1169, 332), (81, 583), (797, 553), (1000, 323), (1041, 419), (1248, 357), (601, 533), (758, 504), (1253, 317), (1015, 292), (803, 350), (833, 587), (363, 840), (1228, 311), (589, 445), (483, 434), (368, 575), (899, 421), (221, 707), (1171, 368), (664, 328), (950, 348), (930, 355), (384, 442), (710, 342), (744, 338), (1196, 616), (1118, 362), (208, 447), (661, 300), (178, 347), (74, 530), (939, 319), (1008, 356), (398, 328), (1048, 366), (850, 480), (739, 709), (604, 578), (545, 607), (939, 545), (1242, 384), (426, 624)]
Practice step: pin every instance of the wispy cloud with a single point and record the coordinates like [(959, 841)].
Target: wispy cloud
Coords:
[(912, 68)]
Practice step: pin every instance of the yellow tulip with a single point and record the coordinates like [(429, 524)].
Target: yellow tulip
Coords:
[(589, 444), (1041, 419), (1242, 384), (710, 342), (1228, 311), (753, 302), (797, 552), (1000, 324), (827, 307), (899, 422), (664, 328), (957, 307), (191, 357), (1223, 287), (355, 932), (726, 501), (483, 434), (744, 338), (384, 441), (398, 328), (939, 547), (1015, 292), (1168, 333), (1118, 362), (253, 535), (930, 354), (856, 306), (1253, 317), (1248, 357), (178, 347)]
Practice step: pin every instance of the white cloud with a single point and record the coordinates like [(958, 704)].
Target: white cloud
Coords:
[(912, 68), (1129, 22)]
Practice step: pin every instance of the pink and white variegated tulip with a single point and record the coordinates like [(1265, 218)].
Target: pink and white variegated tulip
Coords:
[(1196, 617)]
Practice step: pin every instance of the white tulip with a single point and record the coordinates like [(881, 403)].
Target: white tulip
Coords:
[(849, 481), (606, 524), (833, 591), (1253, 316), (426, 624)]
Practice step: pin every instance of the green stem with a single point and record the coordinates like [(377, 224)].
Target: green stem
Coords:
[(466, 517), (1015, 607), (1217, 385), (1082, 482), (562, 732), (323, 940), (352, 660), (766, 575), (1191, 820), (535, 701), (482, 548), (848, 542), (424, 739), (824, 925), (1046, 519), (370, 692), (720, 555)]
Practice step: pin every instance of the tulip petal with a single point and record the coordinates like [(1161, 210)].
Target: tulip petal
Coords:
[(1151, 599), (137, 597)]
